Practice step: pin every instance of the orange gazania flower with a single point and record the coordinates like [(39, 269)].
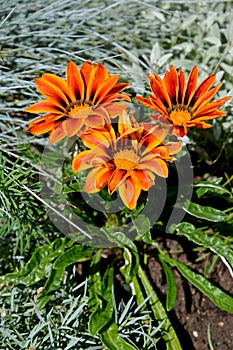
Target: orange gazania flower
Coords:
[(127, 161), (183, 104), (85, 99)]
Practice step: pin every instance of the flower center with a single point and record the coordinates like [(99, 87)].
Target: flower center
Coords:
[(80, 109), (180, 117), (126, 159)]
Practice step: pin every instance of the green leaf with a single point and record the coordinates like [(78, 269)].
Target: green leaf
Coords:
[(207, 186), (130, 253), (53, 282), (100, 302), (113, 341), (130, 268), (171, 286), (218, 297), (72, 255), (36, 267), (167, 331), (142, 224), (201, 212), (210, 242)]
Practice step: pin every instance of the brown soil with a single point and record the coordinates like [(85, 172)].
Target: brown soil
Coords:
[(193, 312)]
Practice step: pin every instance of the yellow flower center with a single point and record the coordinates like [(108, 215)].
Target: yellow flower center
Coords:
[(179, 117), (80, 109), (126, 159)]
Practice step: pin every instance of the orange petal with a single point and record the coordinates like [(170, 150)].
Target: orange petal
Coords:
[(156, 165), (173, 147), (91, 83), (129, 193), (118, 88), (171, 83), (145, 101), (45, 106), (85, 71), (58, 82), (90, 185), (202, 88), (103, 177), (210, 115), (162, 152), (210, 107), (72, 126), (95, 137), (101, 74), (75, 82), (158, 105), (41, 127), (104, 88), (203, 125), (51, 91), (56, 135), (115, 109), (161, 120), (141, 179), (83, 161), (191, 85), (116, 179), (94, 121), (206, 97), (115, 97), (124, 124), (152, 139), (181, 90), (160, 91)]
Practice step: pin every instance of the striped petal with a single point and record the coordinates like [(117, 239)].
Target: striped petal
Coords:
[(51, 91), (58, 82), (202, 88), (83, 161), (104, 88), (56, 135), (41, 127), (191, 85), (71, 127), (182, 86), (159, 89), (91, 185), (75, 82), (210, 107), (45, 106), (129, 193), (141, 179), (156, 165), (206, 97), (103, 176), (172, 83), (116, 179)]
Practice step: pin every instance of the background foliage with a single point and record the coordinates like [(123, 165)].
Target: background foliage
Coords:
[(131, 38)]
